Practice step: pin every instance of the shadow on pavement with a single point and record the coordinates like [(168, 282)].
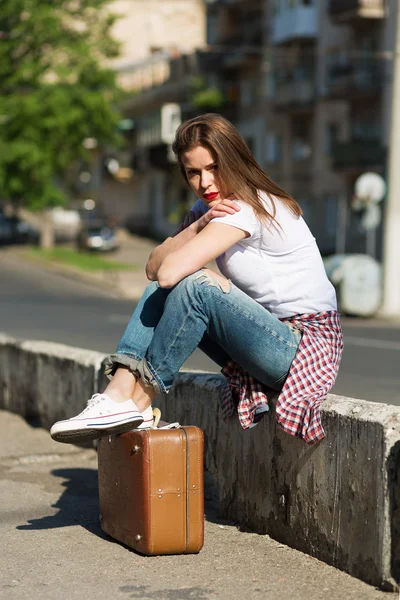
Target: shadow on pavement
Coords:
[(78, 504)]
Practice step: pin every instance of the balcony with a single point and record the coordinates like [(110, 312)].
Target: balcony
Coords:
[(294, 23), (358, 154), (160, 79), (294, 94), (293, 81), (241, 57), (348, 10), (144, 75), (354, 76), (245, 45)]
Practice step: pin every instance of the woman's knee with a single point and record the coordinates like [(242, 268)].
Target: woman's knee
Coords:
[(201, 280), (217, 279), (186, 285)]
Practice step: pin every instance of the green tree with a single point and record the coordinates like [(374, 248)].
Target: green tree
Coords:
[(55, 91), (203, 97)]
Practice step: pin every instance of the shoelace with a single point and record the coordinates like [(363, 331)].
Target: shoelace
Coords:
[(95, 399)]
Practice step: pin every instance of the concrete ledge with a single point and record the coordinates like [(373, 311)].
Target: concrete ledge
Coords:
[(45, 380), (338, 501)]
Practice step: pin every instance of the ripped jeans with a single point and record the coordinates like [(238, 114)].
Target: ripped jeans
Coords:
[(169, 324)]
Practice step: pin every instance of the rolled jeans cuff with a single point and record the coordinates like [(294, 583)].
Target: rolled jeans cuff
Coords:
[(139, 367)]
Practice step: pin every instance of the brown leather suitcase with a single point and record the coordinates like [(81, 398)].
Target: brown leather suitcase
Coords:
[(151, 489)]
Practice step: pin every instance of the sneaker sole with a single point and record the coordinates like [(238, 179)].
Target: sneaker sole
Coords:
[(87, 435)]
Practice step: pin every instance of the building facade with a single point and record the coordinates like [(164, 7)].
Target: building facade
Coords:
[(307, 83), (330, 87), (158, 38)]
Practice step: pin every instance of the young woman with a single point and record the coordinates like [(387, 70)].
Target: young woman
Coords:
[(269, 318)]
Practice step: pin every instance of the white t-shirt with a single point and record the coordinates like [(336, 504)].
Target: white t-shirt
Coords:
[(280, 267)]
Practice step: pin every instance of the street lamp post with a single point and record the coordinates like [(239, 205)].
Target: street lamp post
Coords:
[(391, 247)]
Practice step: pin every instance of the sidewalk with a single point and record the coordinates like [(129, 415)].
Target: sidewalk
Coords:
[(53, 547), (129, 284)]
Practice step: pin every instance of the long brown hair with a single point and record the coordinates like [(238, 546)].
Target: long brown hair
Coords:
[(235, 162)]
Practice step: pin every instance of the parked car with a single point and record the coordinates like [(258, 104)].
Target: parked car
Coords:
[(101, 238), (6, 232), (16, 231)]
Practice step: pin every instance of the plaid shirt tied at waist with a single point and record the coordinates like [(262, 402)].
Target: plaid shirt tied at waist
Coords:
[(311, 376)]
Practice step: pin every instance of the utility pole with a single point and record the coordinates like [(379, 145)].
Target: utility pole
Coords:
[(391, 247)]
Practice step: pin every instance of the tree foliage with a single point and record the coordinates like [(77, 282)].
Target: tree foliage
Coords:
[(203, 97), (55, 91)]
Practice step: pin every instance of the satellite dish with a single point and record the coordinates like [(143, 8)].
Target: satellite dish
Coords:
[(371, 217), (370, 187)]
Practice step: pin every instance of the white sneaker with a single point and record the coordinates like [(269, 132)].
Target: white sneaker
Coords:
[(148, 419), (101, 417)]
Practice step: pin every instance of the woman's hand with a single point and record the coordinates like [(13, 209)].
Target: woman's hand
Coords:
[(218, 208), (191, 226)]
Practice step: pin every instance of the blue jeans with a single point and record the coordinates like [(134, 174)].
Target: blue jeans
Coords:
[(169, 324)]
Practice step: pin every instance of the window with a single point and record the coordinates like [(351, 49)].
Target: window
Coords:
[(273, 148), (331, 137), (305, 206), (330, 216), (301, 139), (248, 92), (276, 7), (250, 144), (365, 128), (212, 29), (301, 149)]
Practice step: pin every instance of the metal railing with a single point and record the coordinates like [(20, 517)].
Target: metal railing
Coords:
[(354, 74), (358, 153), (357, 8)]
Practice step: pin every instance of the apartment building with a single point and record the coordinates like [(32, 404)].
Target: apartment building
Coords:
[(330, 92), (219, 73), (292, 95), (237, 30), (147, 27), (356, 63), (157, 36), (307, 83)]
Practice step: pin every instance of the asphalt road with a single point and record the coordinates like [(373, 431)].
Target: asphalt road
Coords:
[(38, 304)]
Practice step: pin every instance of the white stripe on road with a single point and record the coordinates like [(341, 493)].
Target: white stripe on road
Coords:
[(370, 343), (348, 339), (119, 319)]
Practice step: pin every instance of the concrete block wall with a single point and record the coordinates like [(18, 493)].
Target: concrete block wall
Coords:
[(338, 501), (46, 381)]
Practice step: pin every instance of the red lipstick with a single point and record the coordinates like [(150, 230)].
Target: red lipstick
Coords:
[(211, 196)]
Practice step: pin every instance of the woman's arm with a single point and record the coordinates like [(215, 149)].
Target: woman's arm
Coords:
[(210, 242), (188, 229), (169, 245)]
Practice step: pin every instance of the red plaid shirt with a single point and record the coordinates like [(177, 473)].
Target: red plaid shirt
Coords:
[(311, 376)]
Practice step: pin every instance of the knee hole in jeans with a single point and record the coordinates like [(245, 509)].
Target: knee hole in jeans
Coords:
[(215, 280)]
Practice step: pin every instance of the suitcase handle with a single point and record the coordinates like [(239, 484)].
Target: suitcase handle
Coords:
[(162, 424), (156, 416)]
